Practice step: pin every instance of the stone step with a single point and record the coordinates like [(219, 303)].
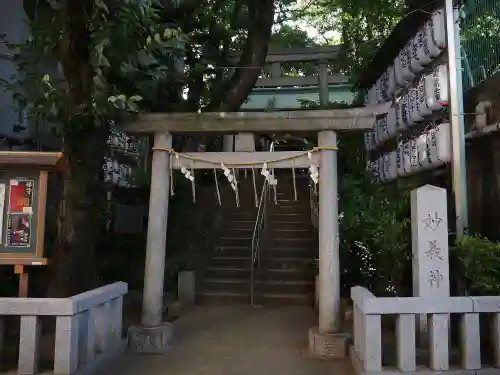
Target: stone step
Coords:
[(297, 264), (234, 231), (227, 240), (242, 285), (291, 224), (239, 225), (233, 285), (292, 242), (262, 274), (289, 215), (241, 215), (223, 298), (287, 252), (281, 287), (294, 232), (233, 251), (285, 299), (231, 261), (227, 272), (283, 208)]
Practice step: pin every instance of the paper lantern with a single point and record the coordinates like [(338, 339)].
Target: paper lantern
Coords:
[(439, 28), (405, 56), (390, 166), (420, 54), (415, 64), (422, 107), (436, 33), (439, 145), (404, 167), (436, 88), (391, 81), (413, 105), (366, 138), (403, 73), (370, 140), (405, 112), (391, 122), (414, 155), (381, 130), (383, 83), (400, 125), (399, 159), (385, 166), (398, 75), (423, 158)]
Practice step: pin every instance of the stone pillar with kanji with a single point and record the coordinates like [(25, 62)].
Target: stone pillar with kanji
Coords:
[(429, 227)]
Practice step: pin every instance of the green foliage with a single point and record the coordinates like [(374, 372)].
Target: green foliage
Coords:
[(121, 76), (480, 40), (363, 26), (479, 261), (375, 234)]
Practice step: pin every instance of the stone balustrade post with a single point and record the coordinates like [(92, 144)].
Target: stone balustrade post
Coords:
[(66, 345), (29, 345)]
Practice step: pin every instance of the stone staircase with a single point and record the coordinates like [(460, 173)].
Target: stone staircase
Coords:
[(287, 252)]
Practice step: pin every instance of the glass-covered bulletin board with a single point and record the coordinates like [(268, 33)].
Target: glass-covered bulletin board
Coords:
[(23, 192), (19, 199)]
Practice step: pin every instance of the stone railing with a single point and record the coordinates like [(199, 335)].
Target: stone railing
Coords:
[(88, 328), (366, 354)]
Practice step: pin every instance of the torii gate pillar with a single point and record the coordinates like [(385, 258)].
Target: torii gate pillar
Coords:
[(325, 340), (154, 335)]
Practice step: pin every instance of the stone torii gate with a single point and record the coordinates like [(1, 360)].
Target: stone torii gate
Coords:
[(154, 335)]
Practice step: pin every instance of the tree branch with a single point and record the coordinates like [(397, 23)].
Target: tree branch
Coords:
[(237, 88)]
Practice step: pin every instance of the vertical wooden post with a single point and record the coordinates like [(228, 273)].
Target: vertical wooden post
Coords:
[(23, 280)]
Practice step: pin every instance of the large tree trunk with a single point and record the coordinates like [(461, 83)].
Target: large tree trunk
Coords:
[(73, 262), (260, 21), (80, 208)]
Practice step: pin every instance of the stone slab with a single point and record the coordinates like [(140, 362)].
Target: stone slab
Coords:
[(150, 340), (186, 288), (328, 345)]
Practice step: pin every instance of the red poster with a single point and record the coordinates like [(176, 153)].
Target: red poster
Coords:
[(21, 196), (18, 230)]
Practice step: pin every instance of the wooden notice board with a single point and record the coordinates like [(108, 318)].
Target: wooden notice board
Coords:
[(23, 199)]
